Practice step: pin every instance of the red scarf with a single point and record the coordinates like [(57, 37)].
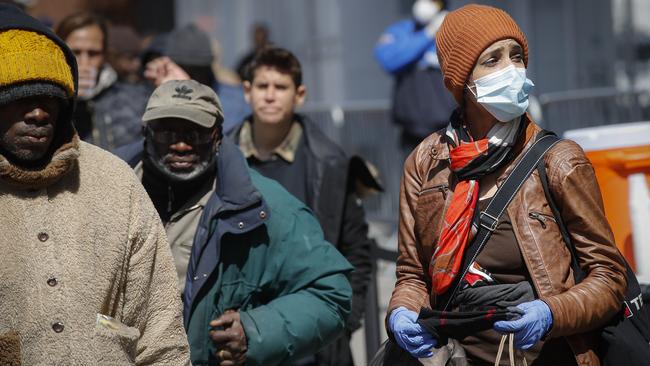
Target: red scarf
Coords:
[(469, 160), (457, 224)]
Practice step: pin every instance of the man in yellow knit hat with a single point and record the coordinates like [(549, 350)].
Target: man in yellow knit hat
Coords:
[(86, 276)]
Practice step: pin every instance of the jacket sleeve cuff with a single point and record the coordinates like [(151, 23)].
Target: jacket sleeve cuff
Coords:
[(406, 298), (550, 329), (556, 329), (260, 349)]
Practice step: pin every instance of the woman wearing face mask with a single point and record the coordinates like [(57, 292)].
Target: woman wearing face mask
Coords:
[(453, 174)]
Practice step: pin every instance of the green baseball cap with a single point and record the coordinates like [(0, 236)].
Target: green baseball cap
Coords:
[(186, 99)]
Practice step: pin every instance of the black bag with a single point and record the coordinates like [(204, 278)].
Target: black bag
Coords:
[(390, 353), (626, 339)]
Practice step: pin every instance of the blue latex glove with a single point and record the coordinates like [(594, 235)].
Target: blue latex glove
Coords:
[(409, 334), (531, 327)]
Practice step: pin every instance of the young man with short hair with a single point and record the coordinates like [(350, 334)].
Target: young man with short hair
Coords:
[(287, 147)]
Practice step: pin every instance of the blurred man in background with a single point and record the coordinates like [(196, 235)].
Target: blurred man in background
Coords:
[(189, 56), (285, 146), (124, 52), (108, 112), (407, 50), (263, 287)]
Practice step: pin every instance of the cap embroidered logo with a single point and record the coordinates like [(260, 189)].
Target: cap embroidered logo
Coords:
[(183, 92)]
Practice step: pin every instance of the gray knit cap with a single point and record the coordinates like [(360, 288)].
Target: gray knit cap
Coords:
[(190, 46)]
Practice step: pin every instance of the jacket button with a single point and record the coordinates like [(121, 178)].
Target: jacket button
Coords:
[(262, 214), (57, 327), (241, 225), (52, 281), (43, 237)]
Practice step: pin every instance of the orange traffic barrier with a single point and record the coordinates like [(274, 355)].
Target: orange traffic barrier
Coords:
[(620, 155)]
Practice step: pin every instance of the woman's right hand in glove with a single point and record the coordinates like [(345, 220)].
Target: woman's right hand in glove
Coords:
[(409, 334)]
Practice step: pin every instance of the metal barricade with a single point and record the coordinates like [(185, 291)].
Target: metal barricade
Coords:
[(572, 109), (365, 129)]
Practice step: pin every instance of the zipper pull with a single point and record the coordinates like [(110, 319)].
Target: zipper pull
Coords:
[(539, 217)]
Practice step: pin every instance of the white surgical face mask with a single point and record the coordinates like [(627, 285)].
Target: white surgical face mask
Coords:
[(424, 11), (504, 93)]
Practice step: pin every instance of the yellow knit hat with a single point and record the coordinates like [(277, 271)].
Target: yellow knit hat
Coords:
[(31, 57)]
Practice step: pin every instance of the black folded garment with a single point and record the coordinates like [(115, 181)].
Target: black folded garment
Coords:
[(459, 324), (500, 296), (477, 310)]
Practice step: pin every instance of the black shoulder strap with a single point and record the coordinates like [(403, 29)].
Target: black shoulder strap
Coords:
[(488, 219)]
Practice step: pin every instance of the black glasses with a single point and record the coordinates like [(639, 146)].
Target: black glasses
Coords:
[(169, 137)]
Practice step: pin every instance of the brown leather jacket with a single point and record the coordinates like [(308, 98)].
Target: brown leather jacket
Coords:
[(426, 190)]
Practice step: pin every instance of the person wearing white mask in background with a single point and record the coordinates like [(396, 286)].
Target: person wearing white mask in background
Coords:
[(407, 51), (451, 177)]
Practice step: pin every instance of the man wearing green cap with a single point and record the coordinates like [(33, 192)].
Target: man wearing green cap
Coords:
[(261, 284), (87, 277)]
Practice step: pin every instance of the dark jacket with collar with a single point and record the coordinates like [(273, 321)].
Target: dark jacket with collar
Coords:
[(111, 117), (259, 250)]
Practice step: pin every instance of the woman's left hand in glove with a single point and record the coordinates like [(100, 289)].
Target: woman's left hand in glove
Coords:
[(531, 327)]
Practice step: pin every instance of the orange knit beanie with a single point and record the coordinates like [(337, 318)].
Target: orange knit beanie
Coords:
[(465, 34)]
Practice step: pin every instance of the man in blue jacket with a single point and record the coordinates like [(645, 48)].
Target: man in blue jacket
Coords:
[(263, 286), (407, 50)]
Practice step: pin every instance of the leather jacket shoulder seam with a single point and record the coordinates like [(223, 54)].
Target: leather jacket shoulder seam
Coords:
[(562, 160)]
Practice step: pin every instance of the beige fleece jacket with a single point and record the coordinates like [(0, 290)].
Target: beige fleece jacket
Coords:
[(89, 242)]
